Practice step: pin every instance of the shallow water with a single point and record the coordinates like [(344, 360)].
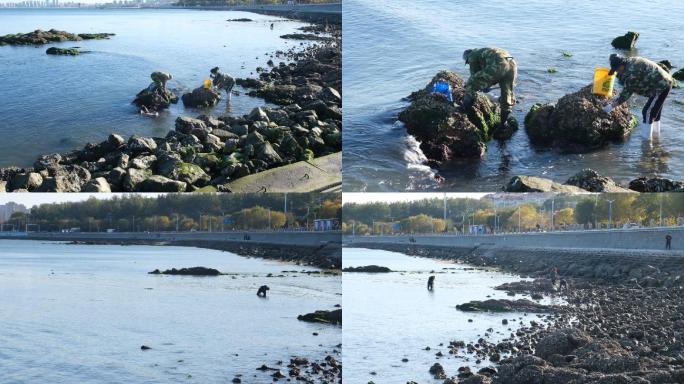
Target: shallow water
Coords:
[(394, 48), (391, 316), (79, 313), (55, 104)]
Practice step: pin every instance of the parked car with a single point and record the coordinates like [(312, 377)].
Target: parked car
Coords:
[(630, 226)]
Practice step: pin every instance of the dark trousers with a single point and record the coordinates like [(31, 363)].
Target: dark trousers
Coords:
[(668, 244), (654, 106)]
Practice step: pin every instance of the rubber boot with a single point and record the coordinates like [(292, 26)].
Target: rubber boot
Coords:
[(647, 131), (656, 128)]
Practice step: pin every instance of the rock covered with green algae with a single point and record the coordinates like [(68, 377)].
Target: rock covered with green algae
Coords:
[(155, 99), (40, 37), (503, 305), (577, 123), (63, 51), (627, 41), (446, 133), (201, 97), (326, 317)]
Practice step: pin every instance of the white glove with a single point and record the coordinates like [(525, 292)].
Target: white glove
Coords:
[(608, 108)]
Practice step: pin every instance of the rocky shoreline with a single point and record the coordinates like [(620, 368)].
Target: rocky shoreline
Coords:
[(623, 322), (206, 153), (588, 180)]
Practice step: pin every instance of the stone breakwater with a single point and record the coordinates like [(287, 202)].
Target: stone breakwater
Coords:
[(623, 322), (206, 153)]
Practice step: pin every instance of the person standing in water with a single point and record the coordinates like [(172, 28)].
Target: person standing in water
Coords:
[(431, 283), (646, 78), (222, 81), (490, 66)]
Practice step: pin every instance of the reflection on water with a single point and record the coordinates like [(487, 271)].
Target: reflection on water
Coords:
[(392, 316), (79, 313), (57, 104), (394, 48)]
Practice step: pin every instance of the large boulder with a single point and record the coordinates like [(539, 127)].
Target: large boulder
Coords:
[(201, 98), (656, 184), (577, 123), (158, 183), (627, 41), (591, 181), (538, 184), (155, 99), (443, 131)]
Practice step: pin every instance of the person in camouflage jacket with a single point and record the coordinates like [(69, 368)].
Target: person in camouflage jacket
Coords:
[(646, 78), (490, 66)]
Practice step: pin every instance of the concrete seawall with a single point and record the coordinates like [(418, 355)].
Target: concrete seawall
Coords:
[(316, 13), (647, 238)]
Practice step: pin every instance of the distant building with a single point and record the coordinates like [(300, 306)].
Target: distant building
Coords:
[(8, 209)]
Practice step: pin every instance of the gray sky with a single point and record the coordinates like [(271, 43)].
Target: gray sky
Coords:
[(402, 196), (31, 199)]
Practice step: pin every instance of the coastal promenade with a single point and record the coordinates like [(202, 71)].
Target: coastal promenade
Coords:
[(329, 12), (643, 238), (289, 238)]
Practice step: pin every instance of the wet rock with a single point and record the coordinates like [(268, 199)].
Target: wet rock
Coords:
[(193, 271), (98, 184), (155, 99), (368, 269), (538, 184), (679, 75), (444, 132), (38, 37), (590, 180), (577, 123), (158, 183), (96, 36), (201, 98), (437, 371), (627, 41), (502, 305), (63, 51), (656, 184), (327, 317)]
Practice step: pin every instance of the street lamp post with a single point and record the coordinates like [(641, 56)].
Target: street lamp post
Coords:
[(610, 214)]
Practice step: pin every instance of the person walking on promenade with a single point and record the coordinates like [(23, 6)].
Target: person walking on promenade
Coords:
[(668, 241)]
